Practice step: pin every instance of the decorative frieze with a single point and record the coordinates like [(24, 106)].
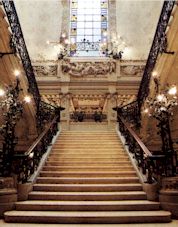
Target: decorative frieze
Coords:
[(80, 69), (132, 70), (88, 99), (45, 70)]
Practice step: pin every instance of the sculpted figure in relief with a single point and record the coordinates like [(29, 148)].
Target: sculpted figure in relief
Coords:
[(87, 68)]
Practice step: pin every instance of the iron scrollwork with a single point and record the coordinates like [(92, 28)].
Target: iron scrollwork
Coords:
[(152, 166), (19, 46), (130, 113), (12, 111), (26, 164), (159, 45), (46, 113)]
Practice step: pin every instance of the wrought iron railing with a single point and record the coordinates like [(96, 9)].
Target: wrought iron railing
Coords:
[(44, 112), (12, 109), (152, 166), (82, 116), (130, 113), (158, 46), (24, 165), (19, 46), (47, 112)]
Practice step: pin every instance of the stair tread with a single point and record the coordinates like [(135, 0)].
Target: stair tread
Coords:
[(61, 202), (94, 178), (88, 213), (88, 193), (88, 167), (88, 185), (88, 172)]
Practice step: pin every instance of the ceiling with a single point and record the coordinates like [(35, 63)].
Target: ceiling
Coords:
[(41, 20)]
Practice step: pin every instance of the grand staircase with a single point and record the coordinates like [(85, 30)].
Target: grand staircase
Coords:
[(87, 178)]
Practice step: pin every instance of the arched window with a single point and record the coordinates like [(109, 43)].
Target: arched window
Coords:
[(89, 23)]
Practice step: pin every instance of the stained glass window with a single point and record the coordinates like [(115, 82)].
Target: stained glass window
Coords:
[(89, 22)]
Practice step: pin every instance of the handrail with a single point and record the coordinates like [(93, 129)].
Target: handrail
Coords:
[(127, 105), (159, 45), (137, 139), (36, 142), (18, 44), (130, 113), (26, 164), (49, 104), (153, 166)]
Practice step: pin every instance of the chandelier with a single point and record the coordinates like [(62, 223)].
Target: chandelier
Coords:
[(115, 48), (163, 102), (161, 108)]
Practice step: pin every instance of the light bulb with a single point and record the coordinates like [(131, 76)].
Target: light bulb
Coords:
[(105, 33), (63, 35), (154, 74), (172, 90), (27, 99), (16, 73), (66, 41), (2, 92), (160, 97), (146, 110)]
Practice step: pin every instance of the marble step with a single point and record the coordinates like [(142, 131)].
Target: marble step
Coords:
[(87, 187), (87, 159), (89, 155), (87, 174), (87, 217), (71, 145), (127, 205), (90, 196), (87, 180), (86, 168), (91, 149), (108, 163)]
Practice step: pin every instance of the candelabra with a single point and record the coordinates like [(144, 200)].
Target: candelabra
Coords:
[(60, 46), (115, 48), (161, 108)]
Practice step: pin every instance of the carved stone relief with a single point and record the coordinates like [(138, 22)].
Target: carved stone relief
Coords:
[(80, 69), (45, 70), (88, 99), (132, 70)]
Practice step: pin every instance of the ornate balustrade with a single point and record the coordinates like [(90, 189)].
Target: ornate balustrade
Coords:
[(152, 166), (130, 113), (82, 116), (19, 46), (45, 113), (159, 45), (25, 164)]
